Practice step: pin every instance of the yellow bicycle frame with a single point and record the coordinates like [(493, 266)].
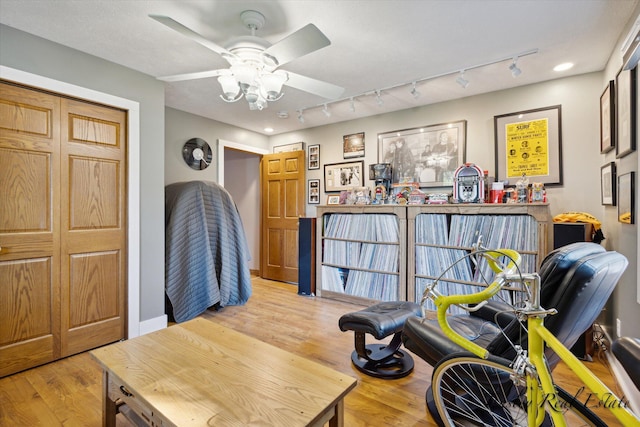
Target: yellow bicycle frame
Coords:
[(541, 390)]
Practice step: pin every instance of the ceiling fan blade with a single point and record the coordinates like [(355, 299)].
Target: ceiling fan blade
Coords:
[(194, 76), (316, 87), (304, 41), (176, 26)]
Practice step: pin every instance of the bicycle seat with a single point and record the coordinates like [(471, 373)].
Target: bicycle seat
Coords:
[(627, 351)]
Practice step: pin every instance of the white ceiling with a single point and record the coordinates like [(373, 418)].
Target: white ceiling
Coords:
[(375, 44)]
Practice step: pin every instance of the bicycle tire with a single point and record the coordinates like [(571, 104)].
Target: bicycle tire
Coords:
[(469, 391)]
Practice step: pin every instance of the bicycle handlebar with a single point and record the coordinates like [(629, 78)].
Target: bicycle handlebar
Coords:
[(443, 302)]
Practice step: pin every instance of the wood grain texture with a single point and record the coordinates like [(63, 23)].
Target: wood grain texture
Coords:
[(275, 314)]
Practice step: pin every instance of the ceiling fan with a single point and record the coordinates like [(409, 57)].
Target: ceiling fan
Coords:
[(254, 72)]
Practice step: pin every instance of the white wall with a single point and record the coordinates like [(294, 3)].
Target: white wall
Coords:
[(181, 127), (242, 181), (578, 96)]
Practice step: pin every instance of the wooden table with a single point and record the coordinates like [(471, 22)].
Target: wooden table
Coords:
[(199, 373)]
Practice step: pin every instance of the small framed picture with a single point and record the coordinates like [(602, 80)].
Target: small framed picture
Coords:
[(314, 191), (296, 146), (353, 145), (607, 119), (625, 99), (343, 176), (313, 157), (608, 184), (626, 200), (333, 199)]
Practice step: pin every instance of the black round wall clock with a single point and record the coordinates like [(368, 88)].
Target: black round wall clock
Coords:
[(197, 153)]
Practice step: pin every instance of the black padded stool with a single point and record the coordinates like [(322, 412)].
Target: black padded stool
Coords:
[(381, 320)]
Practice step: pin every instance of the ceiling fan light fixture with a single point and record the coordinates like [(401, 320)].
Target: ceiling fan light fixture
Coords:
[(230, 88), (272, 84)]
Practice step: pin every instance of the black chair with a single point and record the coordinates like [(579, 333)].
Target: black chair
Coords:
[(576, 279)]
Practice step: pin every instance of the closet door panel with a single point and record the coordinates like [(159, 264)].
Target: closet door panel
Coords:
[(93, 154), (29, 236)]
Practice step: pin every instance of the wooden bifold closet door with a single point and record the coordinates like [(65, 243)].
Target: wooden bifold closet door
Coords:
[(62, 227)]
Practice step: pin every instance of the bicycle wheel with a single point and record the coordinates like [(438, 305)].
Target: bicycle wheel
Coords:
[(468, 391)]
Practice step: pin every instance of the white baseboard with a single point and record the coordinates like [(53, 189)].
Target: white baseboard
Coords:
[(152, 325)]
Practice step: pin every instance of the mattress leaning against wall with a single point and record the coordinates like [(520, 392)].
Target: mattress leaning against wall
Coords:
[(207, 254)]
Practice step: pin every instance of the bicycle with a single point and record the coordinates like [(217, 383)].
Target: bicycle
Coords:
[(477, 388)]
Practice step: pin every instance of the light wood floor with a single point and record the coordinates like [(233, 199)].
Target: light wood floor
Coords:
[(68, 392)]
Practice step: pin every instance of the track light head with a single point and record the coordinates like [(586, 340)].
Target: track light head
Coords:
[(300, 116), (462, 81), (326, 111), (515, 71), (379, 100), (414, 91), (352, 105)]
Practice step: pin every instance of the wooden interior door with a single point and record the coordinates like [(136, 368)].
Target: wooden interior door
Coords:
[(62, 227), (29, 235), (93, 225), (283, 202)]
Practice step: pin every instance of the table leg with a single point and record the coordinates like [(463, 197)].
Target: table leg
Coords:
[(338, 417), (109, 407)]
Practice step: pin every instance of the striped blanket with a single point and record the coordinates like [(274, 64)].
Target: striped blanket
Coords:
[(206, 250)]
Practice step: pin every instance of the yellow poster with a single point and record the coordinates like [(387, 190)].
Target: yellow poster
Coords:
[(527, 148)]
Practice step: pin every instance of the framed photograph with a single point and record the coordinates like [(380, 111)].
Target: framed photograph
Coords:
[(333, 199), (313, 186), (626, 201), (313, 153), (608, 184), (428, 155), (289, 147), (353, 145), (529, 143), (607, 119), (343, 176), (625, 112)]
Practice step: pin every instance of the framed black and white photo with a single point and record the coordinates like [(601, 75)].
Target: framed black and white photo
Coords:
[(529, 143), (625, 112), (353, 145), (296, 146), (343, 176), (626, 198), (313, 197), (428, 155), (607, 119), (608, 184), (313, 153)]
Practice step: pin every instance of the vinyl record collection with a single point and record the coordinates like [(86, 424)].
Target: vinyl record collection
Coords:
[(439, 246), (360, 255)]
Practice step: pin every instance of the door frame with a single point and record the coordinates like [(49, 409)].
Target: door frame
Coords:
[(222, 144), (133, 178)]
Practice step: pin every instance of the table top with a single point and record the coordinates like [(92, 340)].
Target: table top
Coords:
[(201, 373)]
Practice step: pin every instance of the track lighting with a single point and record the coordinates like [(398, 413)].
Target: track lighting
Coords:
[(379, 100), (515, 71), (326, 111), (414, 91), (462, 81), (232, 91)]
